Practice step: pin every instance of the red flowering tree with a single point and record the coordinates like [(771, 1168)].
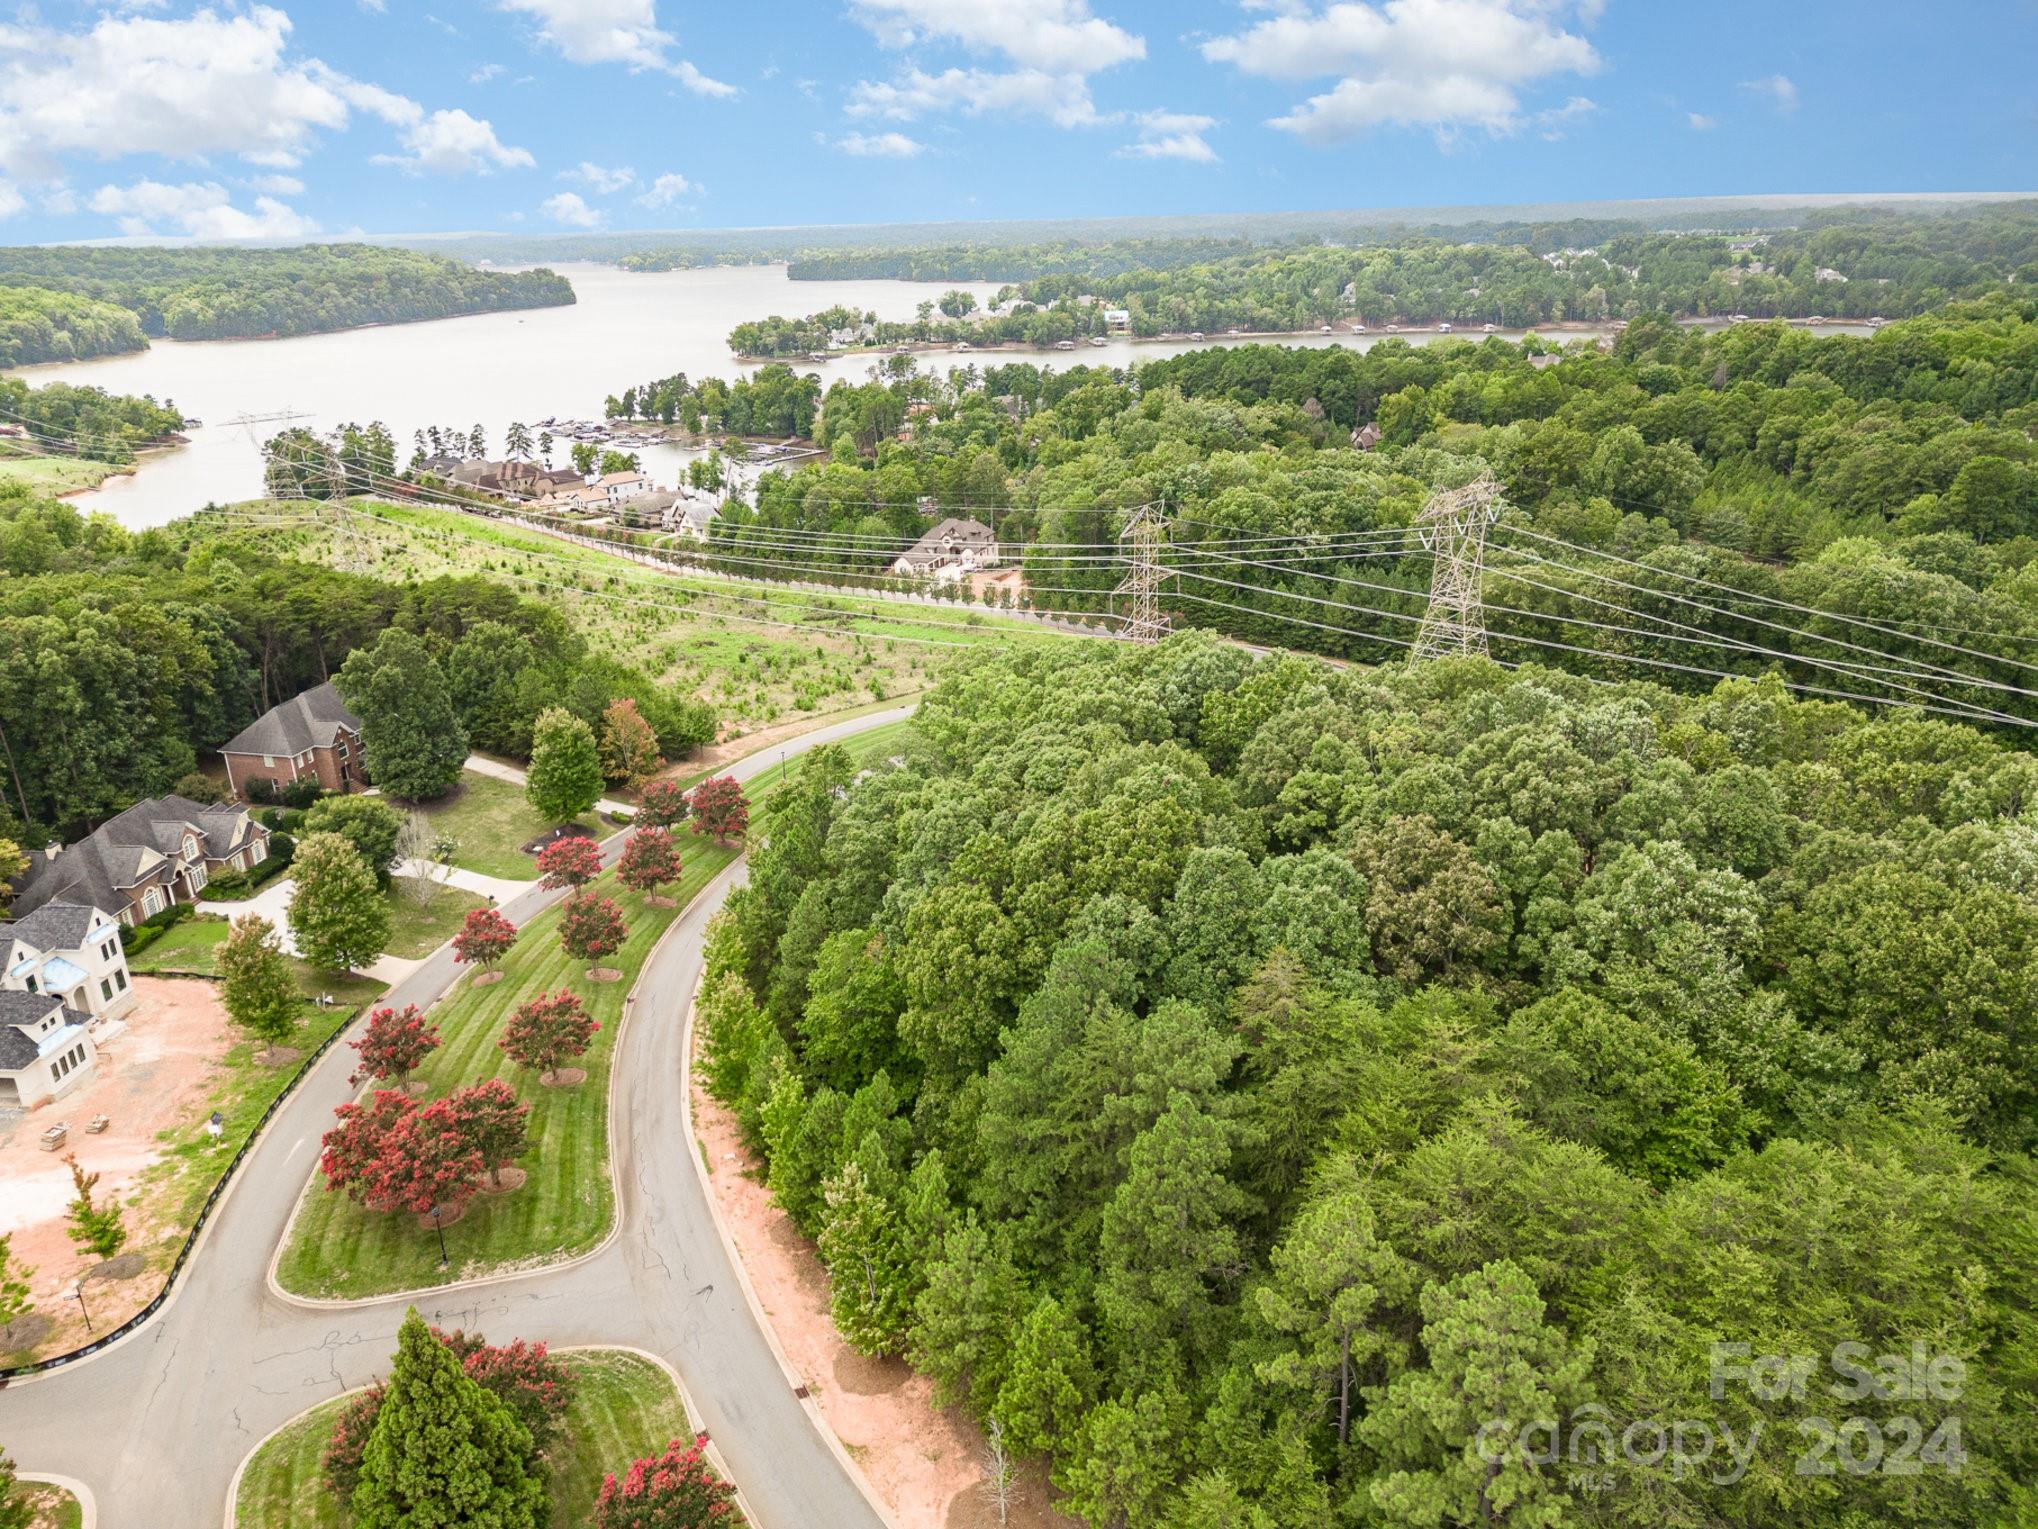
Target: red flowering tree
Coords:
[(426, 1160), (662, 804), (348, 1442), (650, 861), (352, 1152), (393, 1044), (675, 1490), (591, 927), (492, 1123), (524, 1376), (570, 862), (548, 1032), (485, 937), (720, 808)]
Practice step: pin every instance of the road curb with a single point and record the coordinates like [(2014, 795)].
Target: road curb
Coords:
[(795, 1382), (316, 1303), (88, 1509)]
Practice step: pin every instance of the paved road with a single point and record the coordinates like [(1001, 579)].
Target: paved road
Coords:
[(157, 1425)]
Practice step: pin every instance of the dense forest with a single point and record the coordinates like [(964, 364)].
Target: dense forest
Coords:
[(1287, 1096), (62, 420), (1712, 500), (773, 400), (1543, 274), (40, 325), (124, 656), (202, 293)]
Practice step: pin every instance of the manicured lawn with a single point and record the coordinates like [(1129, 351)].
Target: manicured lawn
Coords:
[(192, 949), (338, 1250), (623, 1408), (489, 822), (416, 929)]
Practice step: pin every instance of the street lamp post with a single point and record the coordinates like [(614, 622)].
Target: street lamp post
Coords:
[(77, 1293), (439, 1227)]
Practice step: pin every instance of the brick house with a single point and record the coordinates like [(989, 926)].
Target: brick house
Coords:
[(71, 951), (140, 861), (309, 735)]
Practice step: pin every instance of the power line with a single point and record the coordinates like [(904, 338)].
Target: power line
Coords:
[(1455, 522)]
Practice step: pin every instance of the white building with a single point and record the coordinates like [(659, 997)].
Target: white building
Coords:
[(69, 950), (949, 551), (44, 1049)]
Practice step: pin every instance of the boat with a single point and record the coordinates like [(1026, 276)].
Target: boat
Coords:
[(1097, 339), (1443, 329), (1196, 334), (1325, 330), (1064, 344), (1358, 329), (1489, 328)]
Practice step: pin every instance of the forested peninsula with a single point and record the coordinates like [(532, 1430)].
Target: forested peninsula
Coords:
[(67, 303)]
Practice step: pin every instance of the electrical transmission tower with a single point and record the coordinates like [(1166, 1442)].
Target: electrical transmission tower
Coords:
[(1143, 535), (1453, 527)]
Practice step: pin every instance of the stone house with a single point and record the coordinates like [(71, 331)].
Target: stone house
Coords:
[(140, 861)]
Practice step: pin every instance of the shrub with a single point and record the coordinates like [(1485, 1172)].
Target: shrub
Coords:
[(675, 1490), (341, 1463)]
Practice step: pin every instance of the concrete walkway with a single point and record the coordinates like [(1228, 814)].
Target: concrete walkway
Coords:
[(158, 1424), (501, 888), (516, 777), (273, 904)]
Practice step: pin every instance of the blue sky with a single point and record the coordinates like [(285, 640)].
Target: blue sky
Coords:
[(324, 117)]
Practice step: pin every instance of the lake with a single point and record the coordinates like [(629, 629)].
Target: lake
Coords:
[(493, 368)]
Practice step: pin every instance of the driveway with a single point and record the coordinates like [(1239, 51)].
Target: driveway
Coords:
[(157, 1425)]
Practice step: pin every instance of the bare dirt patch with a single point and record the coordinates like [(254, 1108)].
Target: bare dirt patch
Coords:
[(923, 1461), (565, 1077), (154, 1076), (279, 1056), (126, 1266), (486, 979)]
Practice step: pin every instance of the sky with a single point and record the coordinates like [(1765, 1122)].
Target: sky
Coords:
[(321, 118)]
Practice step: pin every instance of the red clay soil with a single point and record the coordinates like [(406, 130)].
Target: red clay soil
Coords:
[(923, 1461), (154, 1077)]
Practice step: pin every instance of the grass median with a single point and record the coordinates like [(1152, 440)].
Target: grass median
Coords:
[(624, 1407), (339, 1251)]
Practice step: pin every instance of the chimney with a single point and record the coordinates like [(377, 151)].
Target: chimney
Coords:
[(51, 850)]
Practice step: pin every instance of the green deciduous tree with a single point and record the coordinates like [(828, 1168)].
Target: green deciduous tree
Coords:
[(258, 985), (365, 822), (337, 913), (415, 744), (565, 777)]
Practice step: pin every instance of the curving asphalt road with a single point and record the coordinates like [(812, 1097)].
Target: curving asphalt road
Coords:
[(157, 1425)]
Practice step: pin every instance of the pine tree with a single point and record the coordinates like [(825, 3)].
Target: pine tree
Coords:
[(1494, 1364), (964, 1320), (1051, 1382), (257, 987), (337, 914), (565, 777), (868, 1273), (444, 1452)]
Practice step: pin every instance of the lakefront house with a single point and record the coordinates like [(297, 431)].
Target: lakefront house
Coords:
[(62, 972)]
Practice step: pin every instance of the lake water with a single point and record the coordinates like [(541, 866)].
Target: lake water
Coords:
[(493, 368)]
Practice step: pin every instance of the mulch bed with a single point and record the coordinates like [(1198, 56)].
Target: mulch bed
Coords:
[(553, 836), (483, 979), (565, 1077), (279, 1056), (127, 1266), (512, 1179), (25, 1332), (603, 974), (448, 1214)]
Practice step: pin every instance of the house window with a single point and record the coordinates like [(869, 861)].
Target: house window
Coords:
[(120, 980), (198, 875), (105, 991), (258, 852), (31, 985), (106, 951), (152, 902), (269, 761)]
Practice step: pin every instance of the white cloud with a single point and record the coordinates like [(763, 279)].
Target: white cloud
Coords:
[(1700, 122), (277, 185), (1778, 87), (1055, 36), (614, 32), (666, 190), (11, 200), (1172, 135), (605, 182), (568, 207), (481, 74), (880, 145), (1446, 65), (1064, 99), (377, 6), (453, 143), (198, 209), (1052, 46)]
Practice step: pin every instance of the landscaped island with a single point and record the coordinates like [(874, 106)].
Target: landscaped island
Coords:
[(65, 303)]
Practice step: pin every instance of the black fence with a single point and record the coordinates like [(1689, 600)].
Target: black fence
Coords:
[(114, 1335)]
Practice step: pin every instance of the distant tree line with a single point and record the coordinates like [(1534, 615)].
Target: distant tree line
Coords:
[(61, 420), (224, 294)]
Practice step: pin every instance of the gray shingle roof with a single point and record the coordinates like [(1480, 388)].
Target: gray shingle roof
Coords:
[(17, 1048), (54, 926), (303, 722), (129, 849)]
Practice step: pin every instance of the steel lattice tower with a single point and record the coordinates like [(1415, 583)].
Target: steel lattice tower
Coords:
[(1143, 535), (1453, 527)]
